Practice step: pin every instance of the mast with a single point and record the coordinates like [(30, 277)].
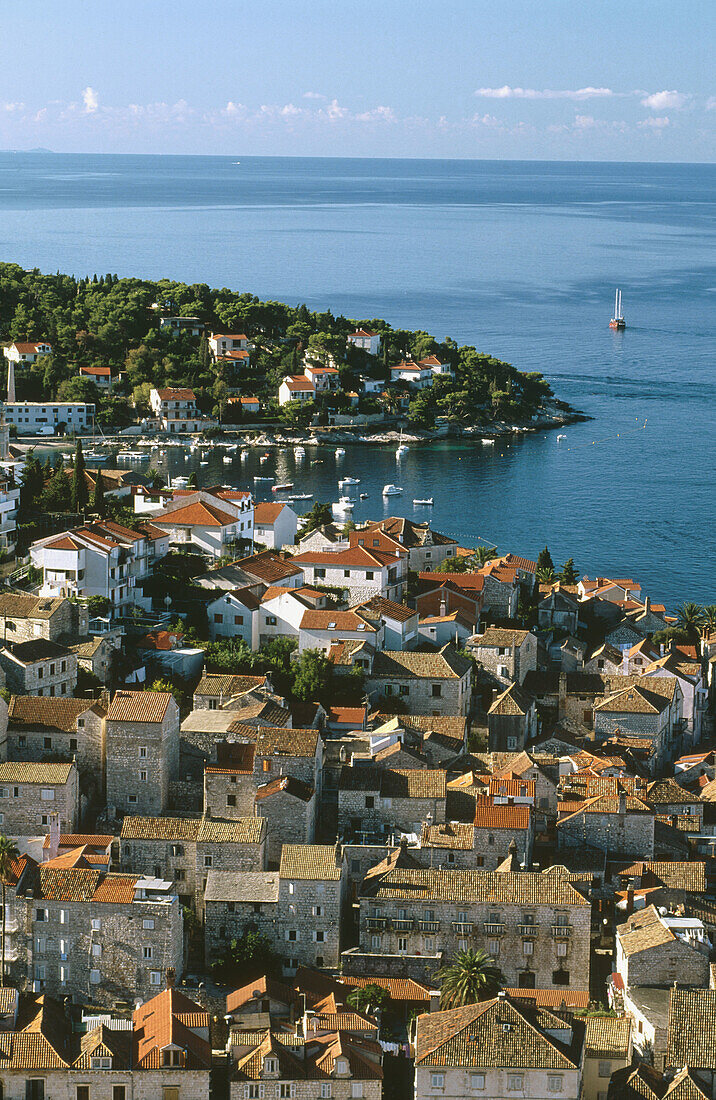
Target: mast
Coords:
[(616, 304)]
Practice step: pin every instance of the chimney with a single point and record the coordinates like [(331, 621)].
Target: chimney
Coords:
[(171, 977), (622, 803), (647, 604), (443, 606), (630, 901), (562, 712), (54, 848)]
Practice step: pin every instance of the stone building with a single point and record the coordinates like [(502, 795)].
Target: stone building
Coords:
[(621, 825), (39, 667), (289, 809), (511, 720), (690, 1037), (655, 949), (413, 919), (217, 690), (142, 739), (30, 793), (164, 1050), (495, 1049), (25, 618), (508, 655), (59, 729), (229, 784), (427, 683), (501, 831), (95, 936), (237, 902), (184, 849), (450, 845), (607, 1048), (373, 799)]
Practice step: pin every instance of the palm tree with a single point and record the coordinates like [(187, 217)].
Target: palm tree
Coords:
[(546, 575), (710, 616), (9, 852), (483, 554), (690, 618), (367, 997), (471, 977)]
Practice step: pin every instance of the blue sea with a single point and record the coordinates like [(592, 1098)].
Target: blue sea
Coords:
[(519, 258)]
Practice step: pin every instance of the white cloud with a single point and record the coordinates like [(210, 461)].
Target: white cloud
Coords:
[(314, 95), (487, 120), (584, 122), (664, 101), (711, 103), (232, 109), (12, 108), (658, 123), (290, 111), (378, 114), (335, 111), (90, 100), (507, 92)]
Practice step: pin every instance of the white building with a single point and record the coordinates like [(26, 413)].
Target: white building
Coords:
[(368, 341), (275, 524), (296, 387), (230, 346), (99, 559), (214, 522), (176, 411), (26, 352), (9, 497), (193, 325), (48, 417)]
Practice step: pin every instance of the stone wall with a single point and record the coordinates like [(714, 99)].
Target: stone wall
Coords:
[(225, 921), (629, 834), (290, 820), (666, 964), (312, 910), (139, 1084), (127, 791), (417, 694), (229, 795), (25, 812)]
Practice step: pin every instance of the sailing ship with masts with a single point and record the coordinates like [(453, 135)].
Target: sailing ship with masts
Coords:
[(617, 320)]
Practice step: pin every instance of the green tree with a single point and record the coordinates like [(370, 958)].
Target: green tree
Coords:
[(471, 977), (79, 482), (9, 853), (568, 574), (162, 685), (247, 958), (544, 561), (710, 616), (483, 554), (57, 494), (318, 516), (690, 619), (312, 674), (191, 483), (546, 575), (368, 998)]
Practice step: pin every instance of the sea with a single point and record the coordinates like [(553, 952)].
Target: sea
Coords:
[(520, 259)]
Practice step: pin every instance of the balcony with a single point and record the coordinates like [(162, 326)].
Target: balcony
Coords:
[(561, 931), (527, 929), (429, 926), (403, 924), (493, 929), (461, 928), (377, 924)]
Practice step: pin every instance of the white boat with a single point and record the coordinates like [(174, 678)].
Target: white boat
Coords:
[(245, 454), (179, 482), (560, 438), (133, 456), (204, 462), (299, 452), (402, 448), (363, 496), (491, 442), (301, 496), (258, 477), (227, 459), (391, 490), (340, 452), (96, 456), (342, 506), (349, 481), (428, 502)]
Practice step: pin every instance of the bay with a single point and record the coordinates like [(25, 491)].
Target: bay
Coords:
[(519, 258)]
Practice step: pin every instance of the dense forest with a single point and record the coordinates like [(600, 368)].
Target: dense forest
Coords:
[(108, 321)]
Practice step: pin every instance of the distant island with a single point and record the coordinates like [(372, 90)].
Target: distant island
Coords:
[(109, 341)]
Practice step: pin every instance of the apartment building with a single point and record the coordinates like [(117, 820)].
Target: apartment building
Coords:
[(49, 417)]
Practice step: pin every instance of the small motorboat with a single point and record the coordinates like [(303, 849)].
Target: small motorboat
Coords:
[(245, 454), (259, 477), (340, 452), (428, 502), (391, 490), (227, 459), (560, 438), (264, 458), (300, 496), (179, 482), (489, 442), (342, 506), (299, 452), (349, 481), (402, 448), (204, 462), (96, 456), (284, 488), (363, 496)]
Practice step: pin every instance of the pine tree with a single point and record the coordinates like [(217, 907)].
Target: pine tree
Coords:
[(79, 483), (544, 561), (204, 353), (98, 504), (569, 574)]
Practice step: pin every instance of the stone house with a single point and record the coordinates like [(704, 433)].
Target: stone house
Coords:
[(321, 629), (536, 926), (312, 880), (362, 571), (229, 784), (289, 808), (511, 720), (495, 1048), (24, 618), (537, 767), (95, 936), (639, 710), (184, 849), (400, 623), (427, 683), (426, 548), (508, 655), (694, 690), (502, 831), (96, 655), (690, 1037), (142, 749), (667, 883), (59, 729), (39, 667), (237, 902), (440, 738), (623, 825), (235, 614), (30, 793), (607, 1048), (339, 1064), (605, 658), (501, 590), (455, 627), (163, 1050), (219, 690), (373, 799), (450, 845), (559, 610), (280, 751), (655, 949)]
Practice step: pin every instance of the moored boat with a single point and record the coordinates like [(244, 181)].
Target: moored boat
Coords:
[(428, 501), (391, 490), (284, 488)]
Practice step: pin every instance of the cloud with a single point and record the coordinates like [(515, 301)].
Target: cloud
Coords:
[(12, 108), (90, 100), (659, 123), (378, 114), (233, 109), (334, 111), (314, 95), (664, 101), (507, 92), (711, 103), (584, 122)]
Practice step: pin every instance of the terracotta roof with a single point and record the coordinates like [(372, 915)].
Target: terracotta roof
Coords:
[(269, 567), (643, 931), (551, 998), (514, 701), (356, 557), (199, 514), (33, 772), (472, 582), (285, 784), (510, 816), (667, 791), (336, 620), (14, 605), (215, 684), (691, 1037), (499, 636), (412, 783), (75, 840), (139, 706), (476, 1036), (176, 395), (299, 383), (159, 1023), (310, 861), (57, 713), (637, 699), (268, 511), (347, 715), (276, 990), (400, 989), (453, 835), (607, 1036), (389, 608), (24, 347), (279, 741), (364, 333)]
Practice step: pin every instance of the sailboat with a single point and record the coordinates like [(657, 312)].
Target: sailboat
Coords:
[(402, 448), (617, 320)]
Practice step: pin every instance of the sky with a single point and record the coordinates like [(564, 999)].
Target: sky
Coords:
[(513, 79)]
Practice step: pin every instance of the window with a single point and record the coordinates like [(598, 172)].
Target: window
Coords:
[(252, 1092), (96, 924), (514, 1082), (35, 1089), (231, 800), (132, 799), (356, 1090), (143, 774), (42, 915), (437, 1080), (477, 1081), (320, 937), (436, 691), (97, 950), (605, 1069), (142, 752), (148, 952), (292, 935), (48, 742), (95, 977), (528, 947), (238, 620), (47, 794), (148, 923), (172, 1057), (493, 948), (317, 911), (170, 1092), (369, 802), (325, 1092), (73, 744), (370, 574), (402, 944), (218, 617), (208, 861), (155, 977), (285, 1091), (270, 620), (560, 977), (561, 950), (119, 1092), (554, 1084)]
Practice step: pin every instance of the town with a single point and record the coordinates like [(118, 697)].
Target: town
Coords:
[(294, 806)]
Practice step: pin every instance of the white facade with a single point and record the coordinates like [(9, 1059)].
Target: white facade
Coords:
[(368, 341), (176, 411), (211, 523), (296, 388), (26, 352), (221, 344), (45, 417), (275, 530), (9, 497)]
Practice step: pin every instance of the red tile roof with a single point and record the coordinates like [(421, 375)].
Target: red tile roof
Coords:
[(162, 1022), (198, 514), (139, 706), (177, 395), (268, 512), (473, 582), (511, 816)]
